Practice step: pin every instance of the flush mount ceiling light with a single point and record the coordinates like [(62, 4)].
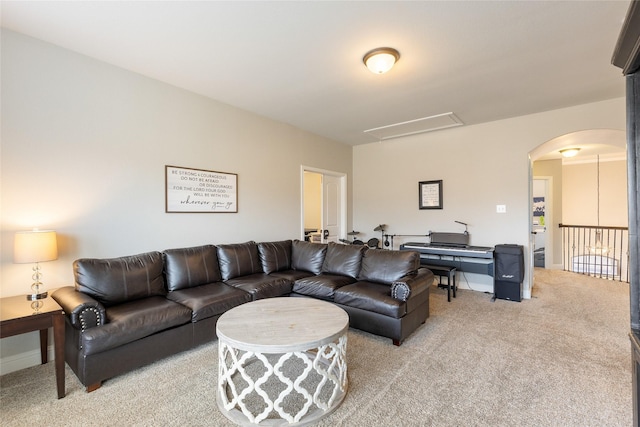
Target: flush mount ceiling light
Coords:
[(380, 60), (569, 152)]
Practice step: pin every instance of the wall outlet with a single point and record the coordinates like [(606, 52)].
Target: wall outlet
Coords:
[(501, 208)]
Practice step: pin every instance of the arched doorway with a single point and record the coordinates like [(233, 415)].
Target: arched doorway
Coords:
[(546, 171)]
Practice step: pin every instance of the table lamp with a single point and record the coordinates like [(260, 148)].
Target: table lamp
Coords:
[(35, 246)]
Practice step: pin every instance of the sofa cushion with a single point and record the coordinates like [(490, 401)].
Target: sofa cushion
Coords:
[(343, 259), (262, 285), (132, 321), (292, 275), (275, 256), (375, 297), (307, 256), (388, 266), (117, 280), (188, 267), (209, 300), (322, 286), (238, 259)]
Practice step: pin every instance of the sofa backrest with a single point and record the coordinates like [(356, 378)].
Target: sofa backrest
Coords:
[(116, 280), (387, 266), (190, 267), (307, 256), (343, 259), (275, 256), (238, 259)]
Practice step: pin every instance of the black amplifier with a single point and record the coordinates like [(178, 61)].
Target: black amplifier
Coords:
[(509, 272)]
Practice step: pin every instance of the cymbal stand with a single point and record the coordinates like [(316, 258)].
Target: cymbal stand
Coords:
[(380, 228)]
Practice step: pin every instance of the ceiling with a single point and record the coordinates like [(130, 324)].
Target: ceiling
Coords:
[(594, 145), (301, 62)]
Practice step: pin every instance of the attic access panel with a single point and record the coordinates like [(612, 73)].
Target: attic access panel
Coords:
[(412, 127)]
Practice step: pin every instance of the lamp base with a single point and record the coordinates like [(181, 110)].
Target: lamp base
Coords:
[(33, 297)]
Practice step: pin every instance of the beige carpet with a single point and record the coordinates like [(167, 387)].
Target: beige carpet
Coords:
[(559, 359)]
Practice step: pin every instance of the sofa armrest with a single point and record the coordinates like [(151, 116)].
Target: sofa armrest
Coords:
[(82, 311), (411, 285)]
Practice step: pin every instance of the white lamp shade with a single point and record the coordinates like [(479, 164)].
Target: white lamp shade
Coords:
[(35, 246)]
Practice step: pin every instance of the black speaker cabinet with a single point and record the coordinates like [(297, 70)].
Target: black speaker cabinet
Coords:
[(507, 290), (509, 272)]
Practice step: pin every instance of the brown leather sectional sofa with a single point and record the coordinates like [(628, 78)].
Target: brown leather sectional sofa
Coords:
[(124, 313)]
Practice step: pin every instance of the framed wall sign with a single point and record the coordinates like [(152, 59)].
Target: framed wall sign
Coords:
[(197, 190), (430, 193)]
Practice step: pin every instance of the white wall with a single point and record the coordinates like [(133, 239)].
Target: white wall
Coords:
[(84, 146), (580, 194), (481, 166)]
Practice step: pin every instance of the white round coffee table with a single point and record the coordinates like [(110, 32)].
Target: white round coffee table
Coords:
[(282, 361)]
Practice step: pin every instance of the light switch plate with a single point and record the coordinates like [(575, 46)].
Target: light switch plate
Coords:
[(501, 208)]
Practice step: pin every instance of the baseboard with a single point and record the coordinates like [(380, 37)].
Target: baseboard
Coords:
[(23, 360)]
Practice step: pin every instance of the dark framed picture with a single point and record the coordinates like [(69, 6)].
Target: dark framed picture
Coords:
[(430, 193)]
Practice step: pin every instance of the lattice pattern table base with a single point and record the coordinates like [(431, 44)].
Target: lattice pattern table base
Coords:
[(294, 388)]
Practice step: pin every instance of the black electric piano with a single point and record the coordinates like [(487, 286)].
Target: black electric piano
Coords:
[(453, 250)]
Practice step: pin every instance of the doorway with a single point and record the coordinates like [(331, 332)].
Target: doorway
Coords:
[(542, 218), (324, 213), (546, 162)]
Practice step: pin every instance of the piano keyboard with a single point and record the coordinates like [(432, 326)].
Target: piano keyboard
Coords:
[(466, 251)]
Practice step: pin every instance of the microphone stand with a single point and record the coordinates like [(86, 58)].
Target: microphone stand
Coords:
[(465, 226)]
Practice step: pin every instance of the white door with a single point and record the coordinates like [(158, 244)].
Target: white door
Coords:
[(324, 204), (331, 208)]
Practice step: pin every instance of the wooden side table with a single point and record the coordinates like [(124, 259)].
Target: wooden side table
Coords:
[(19, 315)]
